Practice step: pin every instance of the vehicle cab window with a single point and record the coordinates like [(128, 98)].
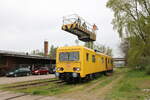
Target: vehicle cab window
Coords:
[(69, 56)]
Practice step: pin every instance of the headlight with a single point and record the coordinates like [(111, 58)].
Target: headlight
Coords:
[(76, 69), (60, 68)]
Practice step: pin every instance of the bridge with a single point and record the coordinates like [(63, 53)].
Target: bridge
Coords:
[(120, 62), (119, 59)]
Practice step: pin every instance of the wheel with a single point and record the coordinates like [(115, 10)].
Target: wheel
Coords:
[(39, 74), (15, 75), (91, 77), (28, 74)]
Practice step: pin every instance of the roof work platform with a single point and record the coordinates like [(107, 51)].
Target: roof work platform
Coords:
[(78, 26)]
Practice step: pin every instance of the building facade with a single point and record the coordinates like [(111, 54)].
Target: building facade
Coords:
[(10, 60)]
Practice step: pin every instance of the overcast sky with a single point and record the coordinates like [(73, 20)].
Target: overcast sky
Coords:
[(25, 24)]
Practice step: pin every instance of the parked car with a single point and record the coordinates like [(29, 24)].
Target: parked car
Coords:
[(40, 71), (52, 69), (19, 72)]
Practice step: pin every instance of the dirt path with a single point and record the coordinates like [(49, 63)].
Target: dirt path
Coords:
[(102, 92), (92, 92), (81, 94)]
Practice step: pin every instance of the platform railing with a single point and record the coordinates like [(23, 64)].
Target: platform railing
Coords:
[(74, 18)]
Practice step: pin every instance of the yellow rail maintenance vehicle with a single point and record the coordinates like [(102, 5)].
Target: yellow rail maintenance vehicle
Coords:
[(79, 62)]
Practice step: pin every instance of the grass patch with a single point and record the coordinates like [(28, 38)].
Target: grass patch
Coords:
[(127, 87), (130, 87), (108, 79), (104, 82), (40, 92)]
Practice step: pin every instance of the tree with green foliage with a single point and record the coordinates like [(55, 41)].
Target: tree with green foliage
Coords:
[(89, 44), (103, 49), (52, 52), (124, 47), (37, 52), (132, 21)]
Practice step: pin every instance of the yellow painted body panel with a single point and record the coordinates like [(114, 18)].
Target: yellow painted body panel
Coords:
[(69, 26), (87, 67)]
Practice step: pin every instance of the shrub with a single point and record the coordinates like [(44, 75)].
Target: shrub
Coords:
[(148, 69)]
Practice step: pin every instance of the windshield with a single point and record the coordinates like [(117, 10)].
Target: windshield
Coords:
[(69, 56)]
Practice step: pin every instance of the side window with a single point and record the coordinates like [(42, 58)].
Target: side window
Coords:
[(93, 58), (87, 56), (102, 60)]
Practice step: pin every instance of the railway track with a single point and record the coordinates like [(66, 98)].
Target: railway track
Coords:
[(23, 86), (33, 84)]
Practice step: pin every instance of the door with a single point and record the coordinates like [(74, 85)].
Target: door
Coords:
[(106, 63)]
